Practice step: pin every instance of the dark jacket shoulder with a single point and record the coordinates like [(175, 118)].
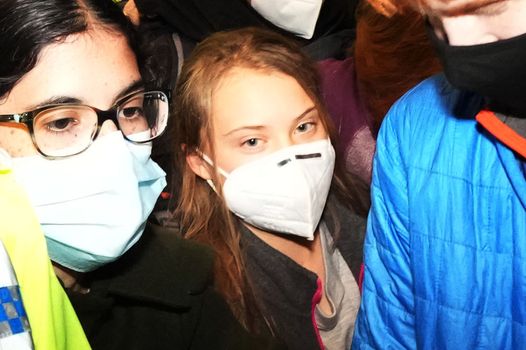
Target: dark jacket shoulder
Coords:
[(159, 295)]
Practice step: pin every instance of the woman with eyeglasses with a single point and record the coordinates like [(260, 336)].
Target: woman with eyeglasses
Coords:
[(77, 121)]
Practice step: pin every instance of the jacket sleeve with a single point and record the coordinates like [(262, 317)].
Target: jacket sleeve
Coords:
[(386, 316)]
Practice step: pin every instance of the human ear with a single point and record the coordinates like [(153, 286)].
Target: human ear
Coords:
[(198, 165)]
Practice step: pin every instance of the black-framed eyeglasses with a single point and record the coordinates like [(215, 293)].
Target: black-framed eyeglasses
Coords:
[(63, 130)]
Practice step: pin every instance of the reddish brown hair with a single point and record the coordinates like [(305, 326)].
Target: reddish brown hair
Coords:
[(392, 54)]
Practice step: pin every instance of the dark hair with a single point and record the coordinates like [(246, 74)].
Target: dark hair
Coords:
[(27, 26)]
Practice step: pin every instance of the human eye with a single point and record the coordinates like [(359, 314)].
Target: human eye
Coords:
[(251, 143), (133, 108), (60, 125), (132, 112), (60, 120), (305, 127)]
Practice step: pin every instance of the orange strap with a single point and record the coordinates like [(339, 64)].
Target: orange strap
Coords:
[(502, 132)]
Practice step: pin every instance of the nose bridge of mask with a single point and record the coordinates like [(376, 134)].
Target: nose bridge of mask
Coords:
[(145, 168), (307, 156), (141, 151), (299, 152), (284, 156), (139, 136), (280, 158)]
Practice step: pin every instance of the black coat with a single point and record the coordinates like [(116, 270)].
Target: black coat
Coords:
[(198, 19), (158, 296)]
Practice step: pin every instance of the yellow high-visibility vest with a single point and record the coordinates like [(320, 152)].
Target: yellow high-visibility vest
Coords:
[(53, 322)]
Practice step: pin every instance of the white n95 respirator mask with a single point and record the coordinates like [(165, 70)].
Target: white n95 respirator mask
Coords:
[(284, 192), (295, 16), (92, 207)]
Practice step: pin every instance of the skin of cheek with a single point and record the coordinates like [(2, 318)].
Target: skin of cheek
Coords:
[(500, 21), (15, 139)]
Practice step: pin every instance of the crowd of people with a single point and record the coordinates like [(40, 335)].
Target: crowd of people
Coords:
[(262, 174)]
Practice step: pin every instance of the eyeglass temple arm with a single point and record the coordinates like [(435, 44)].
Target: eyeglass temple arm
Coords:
[(11, 118)]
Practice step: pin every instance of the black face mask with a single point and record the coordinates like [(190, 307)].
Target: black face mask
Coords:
[(496, 71)]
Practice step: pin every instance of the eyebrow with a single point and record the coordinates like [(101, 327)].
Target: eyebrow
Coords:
[(132, 87), (259, 127), (302, 115), (54, 101)]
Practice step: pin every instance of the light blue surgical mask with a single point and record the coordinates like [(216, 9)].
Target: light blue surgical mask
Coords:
[(93, 206)]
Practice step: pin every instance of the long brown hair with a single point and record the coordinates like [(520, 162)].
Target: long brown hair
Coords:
[(202, 213)]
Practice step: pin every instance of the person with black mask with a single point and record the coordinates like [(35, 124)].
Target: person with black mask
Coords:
[(446, 239)]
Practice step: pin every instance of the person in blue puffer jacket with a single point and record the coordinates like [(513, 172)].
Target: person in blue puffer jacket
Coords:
[(446, 242)]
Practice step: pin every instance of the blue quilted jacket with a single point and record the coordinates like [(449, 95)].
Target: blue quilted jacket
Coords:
[(445, 248)]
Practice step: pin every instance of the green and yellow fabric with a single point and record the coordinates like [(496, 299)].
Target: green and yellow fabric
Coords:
[(53, 322)]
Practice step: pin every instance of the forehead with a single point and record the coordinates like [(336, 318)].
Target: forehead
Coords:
[(91, 66), (257, 97), (460, 7)]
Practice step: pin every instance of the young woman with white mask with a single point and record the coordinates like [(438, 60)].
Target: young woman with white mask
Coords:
[(261, 185), (77, 121)]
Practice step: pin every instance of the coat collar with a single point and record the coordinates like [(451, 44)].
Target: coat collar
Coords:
[(161, 268)]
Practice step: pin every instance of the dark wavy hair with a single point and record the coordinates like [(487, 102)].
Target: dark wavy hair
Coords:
[(27, 26)]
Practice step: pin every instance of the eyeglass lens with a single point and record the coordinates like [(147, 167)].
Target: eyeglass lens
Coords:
[(143, 117), (67, 130)]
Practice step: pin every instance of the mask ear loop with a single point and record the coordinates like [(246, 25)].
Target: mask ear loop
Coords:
[(211, 184), (209, 161)]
